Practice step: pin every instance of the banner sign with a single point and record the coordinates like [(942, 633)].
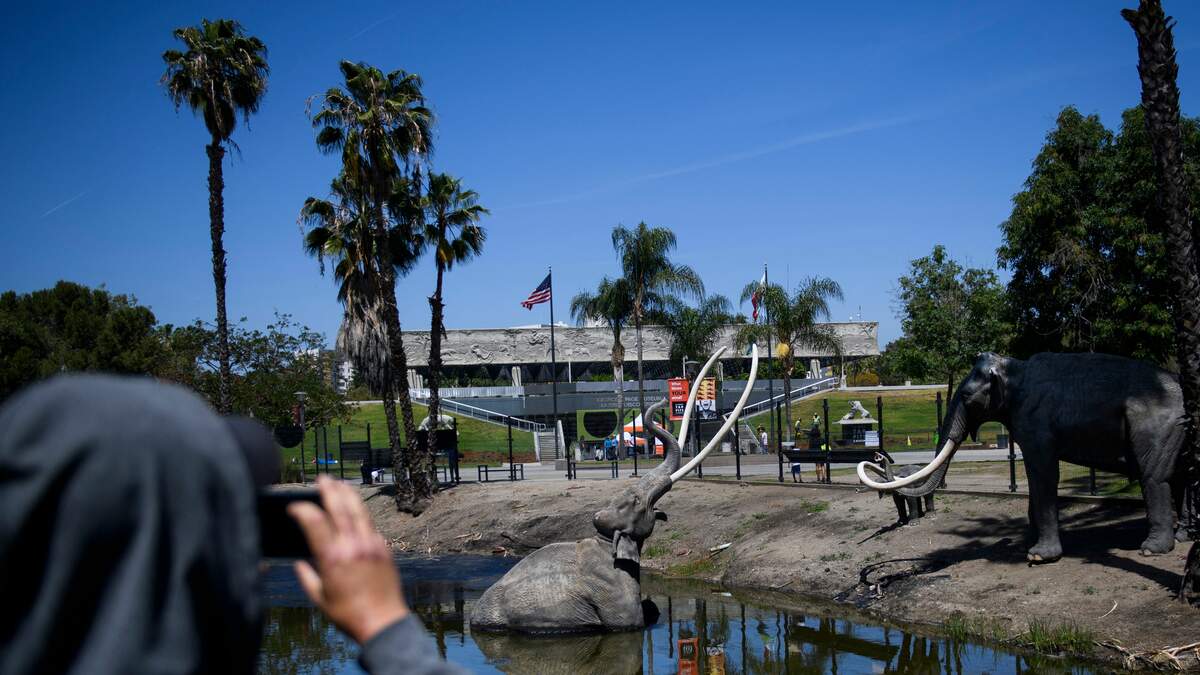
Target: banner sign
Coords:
[(706, 399), (677, 395)]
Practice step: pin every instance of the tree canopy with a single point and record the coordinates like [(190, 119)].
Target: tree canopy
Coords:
[(1088, 262), (950, 314)]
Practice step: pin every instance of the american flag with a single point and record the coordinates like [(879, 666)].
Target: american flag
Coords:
[(539, 295), (756, 297)]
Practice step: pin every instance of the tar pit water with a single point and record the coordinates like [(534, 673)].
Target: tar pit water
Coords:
[(701, 629)]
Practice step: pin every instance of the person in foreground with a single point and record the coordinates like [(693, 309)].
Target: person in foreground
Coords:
[(353, 580), (130, 543)]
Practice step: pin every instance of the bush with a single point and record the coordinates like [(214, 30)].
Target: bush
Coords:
[(867, 379)]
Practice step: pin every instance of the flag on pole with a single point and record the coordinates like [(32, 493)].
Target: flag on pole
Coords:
[(539, 295), (756, 296)]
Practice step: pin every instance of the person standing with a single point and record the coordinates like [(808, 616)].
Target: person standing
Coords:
[(762, 440)]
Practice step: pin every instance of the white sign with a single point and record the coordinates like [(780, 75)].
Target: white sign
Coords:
[(871, 439)]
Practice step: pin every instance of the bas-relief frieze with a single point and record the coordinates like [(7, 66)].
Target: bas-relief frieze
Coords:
[(532, 345)]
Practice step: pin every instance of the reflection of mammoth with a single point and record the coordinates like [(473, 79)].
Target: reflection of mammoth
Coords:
[(564, 654), (1095, 410)]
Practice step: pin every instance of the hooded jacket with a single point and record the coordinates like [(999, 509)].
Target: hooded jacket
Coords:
[(128, 533)]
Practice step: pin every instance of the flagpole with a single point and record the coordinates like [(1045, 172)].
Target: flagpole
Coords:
[(553, 368), (770, 362)]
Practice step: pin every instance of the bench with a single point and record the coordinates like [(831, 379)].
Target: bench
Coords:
[(573, 468), (838, 456), (361, 451), (483, 472)]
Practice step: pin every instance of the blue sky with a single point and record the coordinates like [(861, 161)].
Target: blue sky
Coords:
[(839, 139)]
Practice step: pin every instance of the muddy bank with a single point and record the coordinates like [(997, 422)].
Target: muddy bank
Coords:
[(964, 565)]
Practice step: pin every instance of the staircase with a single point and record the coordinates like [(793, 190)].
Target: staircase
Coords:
[(543, 446), (747, 440)]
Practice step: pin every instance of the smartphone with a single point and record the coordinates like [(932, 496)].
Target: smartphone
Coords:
[(280, 535)]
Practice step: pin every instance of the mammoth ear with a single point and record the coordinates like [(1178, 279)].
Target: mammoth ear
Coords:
[(660, 515), (625, 548)]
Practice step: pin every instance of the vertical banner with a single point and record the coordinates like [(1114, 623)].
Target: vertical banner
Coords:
[(706, 399), (677, 395)]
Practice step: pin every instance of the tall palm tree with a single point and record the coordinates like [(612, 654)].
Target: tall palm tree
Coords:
[(793, 324), (643, 252), (1160, 98), (694, 331), (612, 303), (222, 73), (381, 127), (453, 231)]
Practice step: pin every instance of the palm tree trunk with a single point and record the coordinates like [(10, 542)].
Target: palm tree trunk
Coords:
[(216, 228), (426, 482), (641, 387), (618, 364), (1160, 97), (788, 360)]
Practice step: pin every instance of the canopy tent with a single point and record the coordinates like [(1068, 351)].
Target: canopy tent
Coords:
[(633, 434)]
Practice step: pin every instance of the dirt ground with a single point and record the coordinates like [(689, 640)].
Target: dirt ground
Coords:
[(964, 564)]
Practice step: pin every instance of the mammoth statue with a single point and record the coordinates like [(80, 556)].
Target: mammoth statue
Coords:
[(1095, 410), (908, 509), (594, 584)]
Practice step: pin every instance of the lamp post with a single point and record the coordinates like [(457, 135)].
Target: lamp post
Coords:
[(300, 398)]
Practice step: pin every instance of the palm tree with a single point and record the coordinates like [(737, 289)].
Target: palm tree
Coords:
[(452, 229), (381, 127), (695, 331), (612, 303), (1160, 98), (793, 324), (643, 253), (221, 74)]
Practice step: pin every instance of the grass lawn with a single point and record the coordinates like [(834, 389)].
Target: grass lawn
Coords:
[(478, 442), (908, 414)]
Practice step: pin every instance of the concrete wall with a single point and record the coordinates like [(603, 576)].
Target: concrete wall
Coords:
[(520, 346)]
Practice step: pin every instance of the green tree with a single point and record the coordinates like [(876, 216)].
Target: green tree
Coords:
[(611, 303), (453, 232), (644, 255), (1160, 97), (951, 314), (794, 324), (693, 331), (381, 128), (222, 73), (74, 328)]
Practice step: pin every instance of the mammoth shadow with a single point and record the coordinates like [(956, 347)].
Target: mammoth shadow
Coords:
[(590, 654), (1094, 410), (594, 584)]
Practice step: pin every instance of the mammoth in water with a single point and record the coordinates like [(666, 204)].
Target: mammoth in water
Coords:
[(1095, 410), (594, 584)]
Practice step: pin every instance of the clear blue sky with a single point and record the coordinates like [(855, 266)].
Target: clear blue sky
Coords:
[(839, 139)]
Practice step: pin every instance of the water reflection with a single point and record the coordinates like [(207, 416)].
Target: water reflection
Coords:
[(699, 631)]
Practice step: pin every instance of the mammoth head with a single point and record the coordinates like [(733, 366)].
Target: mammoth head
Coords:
[(630, 518)]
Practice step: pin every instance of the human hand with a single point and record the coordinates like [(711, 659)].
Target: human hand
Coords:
[(354, 582)]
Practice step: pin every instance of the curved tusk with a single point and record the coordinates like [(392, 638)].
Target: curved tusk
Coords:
[(733, 418), (691, 402), (943, 456)]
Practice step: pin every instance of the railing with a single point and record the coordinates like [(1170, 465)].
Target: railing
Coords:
[(467, 410), (806, 390), (468, 392)]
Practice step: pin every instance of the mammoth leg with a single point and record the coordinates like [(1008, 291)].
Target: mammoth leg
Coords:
[(1161, 514), (1041, 469), (915, 510), (901, 510), (929, 503), (1183, 508)]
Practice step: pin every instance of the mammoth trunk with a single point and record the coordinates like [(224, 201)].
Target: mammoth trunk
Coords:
[(954, 430)]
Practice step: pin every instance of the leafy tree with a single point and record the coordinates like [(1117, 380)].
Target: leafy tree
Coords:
[(1089, 264), (951, 314), (644, 255), (611, 303), (1160, 96), (267, 367), (221, 73), (794, 318), (693, 331), (902, 360), (382, 130), (453, 232), (73, 328)]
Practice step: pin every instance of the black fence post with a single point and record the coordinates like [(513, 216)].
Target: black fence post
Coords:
[(778, 442), (1012, 464), (737, 452), (937, 432), (302, 479), (341, 457), (512, 469), (1092, 480), (879, 408), (325, 442), (828, 442)]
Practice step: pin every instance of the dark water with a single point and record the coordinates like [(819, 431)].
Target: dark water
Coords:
[(736, 632)]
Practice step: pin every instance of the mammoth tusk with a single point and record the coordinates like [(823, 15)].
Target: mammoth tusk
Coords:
[(943, 456), (733, 418), (691, 402)]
